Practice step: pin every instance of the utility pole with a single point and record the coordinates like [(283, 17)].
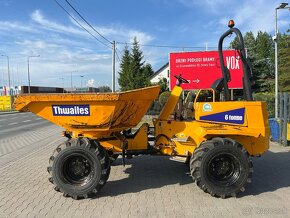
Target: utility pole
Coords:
[(71, 85), (82, 76), (9, 85), (71, 79), (28, 73), (113, 65), (62, 84), (8, 70)]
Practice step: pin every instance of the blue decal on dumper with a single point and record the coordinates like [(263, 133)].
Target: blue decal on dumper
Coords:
[(71, 110), (233, 116)]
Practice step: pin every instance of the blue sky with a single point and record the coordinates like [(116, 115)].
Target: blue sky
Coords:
[(41, 27)]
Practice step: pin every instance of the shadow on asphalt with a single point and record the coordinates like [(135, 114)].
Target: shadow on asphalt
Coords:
[(271, 172), (147, 172)]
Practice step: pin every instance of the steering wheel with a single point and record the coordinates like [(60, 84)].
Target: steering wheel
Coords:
[(180, 80)]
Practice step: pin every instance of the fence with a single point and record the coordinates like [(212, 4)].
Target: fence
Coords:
[(284, 117), (5, 102)]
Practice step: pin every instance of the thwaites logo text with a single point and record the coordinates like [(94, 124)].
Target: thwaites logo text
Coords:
[(71, 110)]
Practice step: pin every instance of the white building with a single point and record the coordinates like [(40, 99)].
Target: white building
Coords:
[(163, 72)]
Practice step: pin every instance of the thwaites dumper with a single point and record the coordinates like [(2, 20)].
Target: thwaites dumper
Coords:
[(217, 138)]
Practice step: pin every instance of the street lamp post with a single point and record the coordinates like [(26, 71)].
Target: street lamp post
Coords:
[(28, 73), (71, 79), (8, 70), (82, 76), (62, 84), (281, 6)]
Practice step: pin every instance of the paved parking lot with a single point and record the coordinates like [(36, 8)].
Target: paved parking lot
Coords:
[(147, 186)]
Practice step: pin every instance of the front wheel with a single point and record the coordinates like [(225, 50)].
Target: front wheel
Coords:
[(79, 167), (221, 167)]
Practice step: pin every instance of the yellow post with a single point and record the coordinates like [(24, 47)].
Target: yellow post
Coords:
[(171, 103)]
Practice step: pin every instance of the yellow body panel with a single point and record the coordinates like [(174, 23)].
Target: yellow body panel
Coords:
[(108, 112), (172, 100), (252, 130)]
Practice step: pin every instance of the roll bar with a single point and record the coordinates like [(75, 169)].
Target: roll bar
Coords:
[(245, 63)]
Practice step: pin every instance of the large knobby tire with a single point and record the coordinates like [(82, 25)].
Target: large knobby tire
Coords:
[(79, 168), (221, 167)]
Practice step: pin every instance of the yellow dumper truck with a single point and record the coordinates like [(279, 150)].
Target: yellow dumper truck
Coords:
[(218, 139)]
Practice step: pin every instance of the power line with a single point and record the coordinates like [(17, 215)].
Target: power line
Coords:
[(80, 24), (119, 60), (163, 46), (88, 22)]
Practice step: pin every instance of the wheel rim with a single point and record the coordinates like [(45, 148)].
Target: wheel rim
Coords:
[(224, 169), (77, 170)]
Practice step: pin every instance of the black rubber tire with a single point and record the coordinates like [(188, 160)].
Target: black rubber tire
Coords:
[(91, 160), (221, 167)]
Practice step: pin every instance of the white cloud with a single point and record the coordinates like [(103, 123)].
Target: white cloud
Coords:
[(249, 15), (16, 26), (91, 83), (117, 33), (38, 17), (65, 48)]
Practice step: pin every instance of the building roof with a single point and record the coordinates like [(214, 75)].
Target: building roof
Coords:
[(159, 70)]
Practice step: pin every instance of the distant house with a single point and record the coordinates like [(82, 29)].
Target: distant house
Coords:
[(163, 72)]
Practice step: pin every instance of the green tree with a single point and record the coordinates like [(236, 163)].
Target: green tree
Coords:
[(105, 89), (147, 72), (263, 63), (136, 65), (163, 85), (284, 62), (134, 73), (125, 74), (260, 52)]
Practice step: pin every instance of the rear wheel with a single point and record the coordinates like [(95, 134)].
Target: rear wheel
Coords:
[(221, 167), (79, 167)]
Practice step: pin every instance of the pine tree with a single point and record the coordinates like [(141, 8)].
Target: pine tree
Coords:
[(147, 72), (125, 74), (134, 73), (250, 45), (136, 65)]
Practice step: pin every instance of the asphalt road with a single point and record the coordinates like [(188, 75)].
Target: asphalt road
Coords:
[(12, 124)]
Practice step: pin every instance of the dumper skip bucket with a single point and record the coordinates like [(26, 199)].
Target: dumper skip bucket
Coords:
[(98, 113)]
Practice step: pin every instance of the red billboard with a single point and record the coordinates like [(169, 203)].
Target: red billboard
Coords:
[(201, 69)]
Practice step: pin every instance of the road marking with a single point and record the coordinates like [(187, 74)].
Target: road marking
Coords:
[(38, 118), (3, 119), (25, 121), (12, 124), (13, 118)]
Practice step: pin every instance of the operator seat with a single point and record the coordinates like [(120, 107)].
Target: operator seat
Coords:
[(217, 86)]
